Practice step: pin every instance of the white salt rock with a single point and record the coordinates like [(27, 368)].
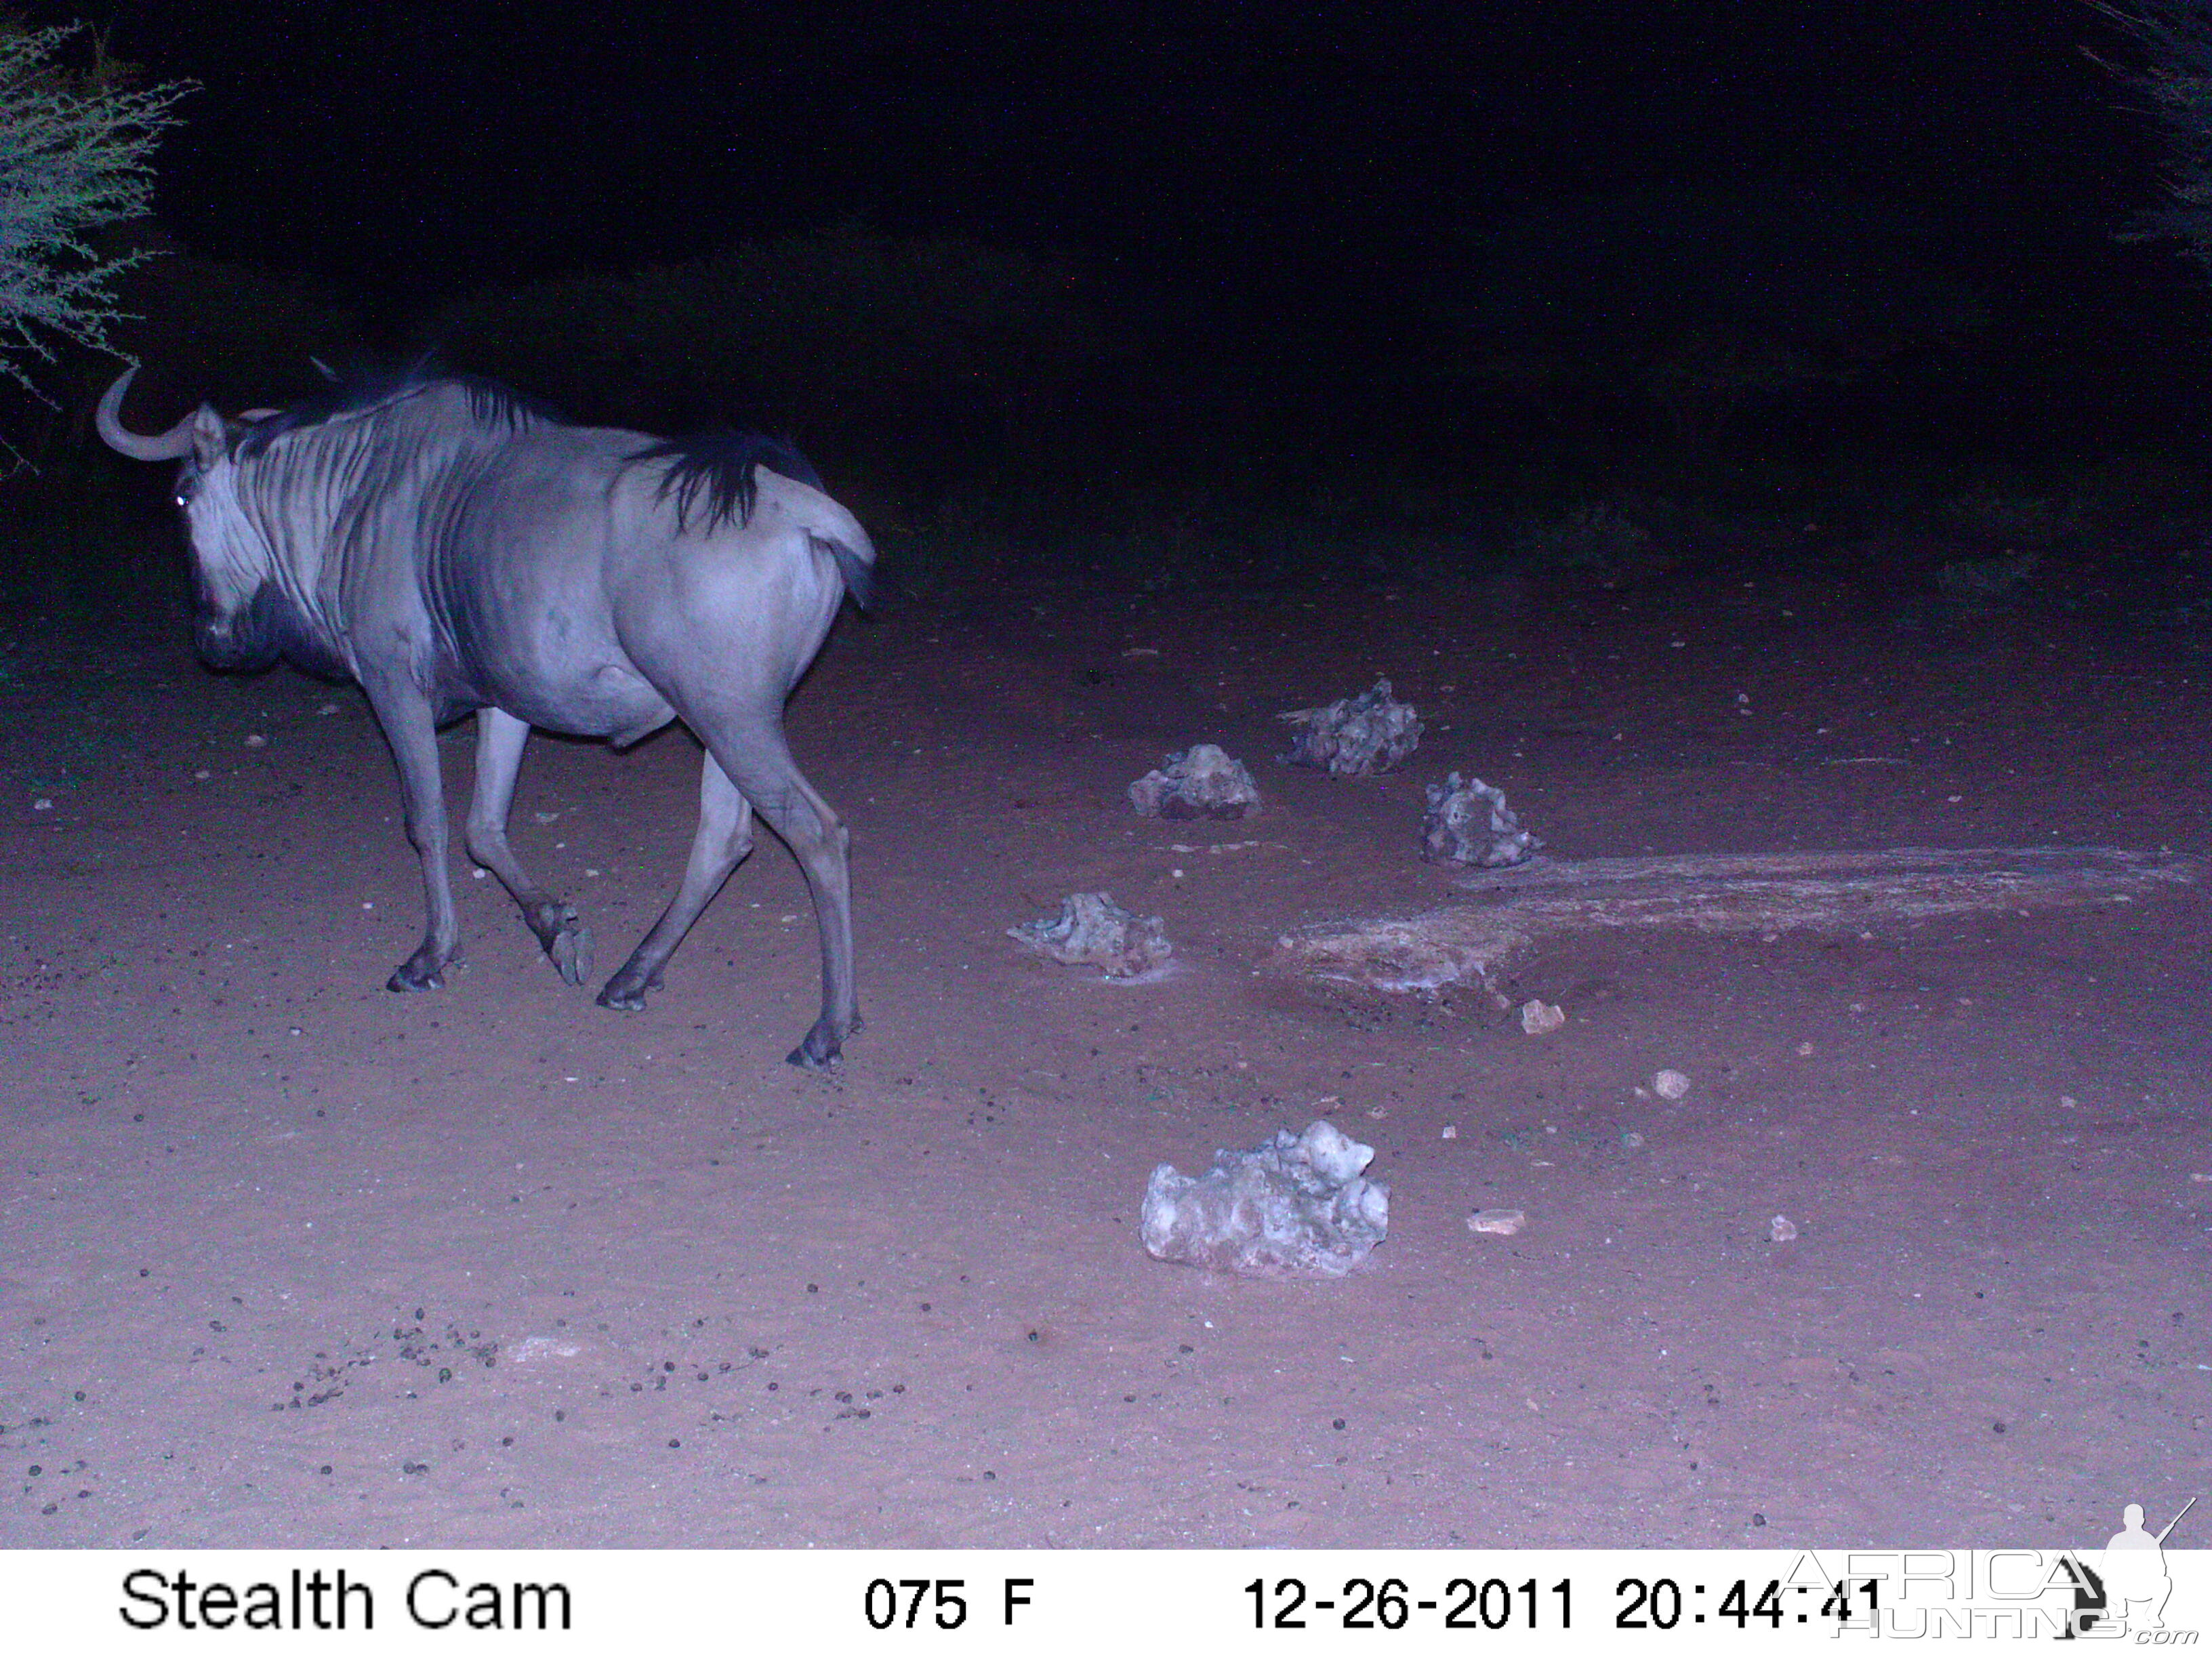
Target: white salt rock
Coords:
[(1781, 1230), (1204, 781), (42, 805), (1091, 930), (1355, 735), (1505, 1222), (1469, 822), (536, 1350), (1671, 1086), (1294, 1207), (1540, 1019), (255, 740)]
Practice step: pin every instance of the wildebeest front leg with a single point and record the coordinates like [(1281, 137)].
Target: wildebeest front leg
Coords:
[(725, 836), (500, 738), (405, 714)]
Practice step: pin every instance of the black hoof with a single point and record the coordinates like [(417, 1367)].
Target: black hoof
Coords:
[(819, 1051), (408, 978), (571, 950), (806, 1061), (627, 998)]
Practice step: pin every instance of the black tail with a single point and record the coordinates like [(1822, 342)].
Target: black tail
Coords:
[(718, 465), (859, 575)]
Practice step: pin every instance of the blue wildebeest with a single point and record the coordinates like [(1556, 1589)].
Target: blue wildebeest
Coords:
[(453, 549)]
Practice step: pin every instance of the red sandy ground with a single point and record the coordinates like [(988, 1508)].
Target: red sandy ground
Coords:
[(271, 1239)]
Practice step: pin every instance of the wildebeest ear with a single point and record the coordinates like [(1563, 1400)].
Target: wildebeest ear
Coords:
[(210, 437)]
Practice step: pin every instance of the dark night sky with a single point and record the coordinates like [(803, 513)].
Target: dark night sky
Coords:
[(1261, 148)]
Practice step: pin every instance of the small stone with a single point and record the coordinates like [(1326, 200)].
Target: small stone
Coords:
[(1450, 1131), (327, 708), (1503, 1222), (1671, 1086), (1781, 1230), (1804, 1051), (42, 805), (1540, 1019), (255, 740)]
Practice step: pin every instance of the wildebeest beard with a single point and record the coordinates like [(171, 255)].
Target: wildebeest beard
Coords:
[(251, 638)]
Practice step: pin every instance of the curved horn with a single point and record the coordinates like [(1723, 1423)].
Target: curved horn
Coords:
[(171, 445)]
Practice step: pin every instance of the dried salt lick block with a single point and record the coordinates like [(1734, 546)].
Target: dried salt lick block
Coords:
[(1203, 781), (1295, 1206), (1092, 931), (1468, 823), (1354, 737)]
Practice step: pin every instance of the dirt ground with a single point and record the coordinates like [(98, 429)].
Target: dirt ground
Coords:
[(287, 1259)]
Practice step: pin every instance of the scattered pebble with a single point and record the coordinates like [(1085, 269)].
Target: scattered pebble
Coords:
[(1504, 1221), (327, 708), (1450, 1131), (1540, 1019), (1781, 1230), (42, 805), (1671, 1086), (1631, 1139), (1804, 1051), (202, 775), (255, 740)]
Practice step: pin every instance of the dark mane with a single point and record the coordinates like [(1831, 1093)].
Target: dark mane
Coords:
[(721, 465), (489, 402)]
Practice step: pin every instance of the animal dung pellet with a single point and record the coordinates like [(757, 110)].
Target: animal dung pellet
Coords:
[(1092, 931), (1469, 823), (1541, 1018), (1355, 737), (1203, 781), (1671, 1086), (1504, 1221), (1297, 1206), (1781, 1230)]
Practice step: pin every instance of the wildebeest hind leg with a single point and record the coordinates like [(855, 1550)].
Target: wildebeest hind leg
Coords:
[(758, 760), (500, 738), (725, 836)]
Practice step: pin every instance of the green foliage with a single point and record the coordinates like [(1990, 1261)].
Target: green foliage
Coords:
[(76, 154)]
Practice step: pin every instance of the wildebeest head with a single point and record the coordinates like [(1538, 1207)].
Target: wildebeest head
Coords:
[(240, 606)]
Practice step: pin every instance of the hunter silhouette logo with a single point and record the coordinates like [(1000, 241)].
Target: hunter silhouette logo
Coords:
[(2127, 1590), (2137, 1584)]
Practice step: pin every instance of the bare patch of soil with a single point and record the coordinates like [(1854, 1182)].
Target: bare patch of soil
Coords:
[(287, 1259)]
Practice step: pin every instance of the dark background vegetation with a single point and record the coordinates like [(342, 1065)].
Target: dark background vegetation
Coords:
[(1253, 294)]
